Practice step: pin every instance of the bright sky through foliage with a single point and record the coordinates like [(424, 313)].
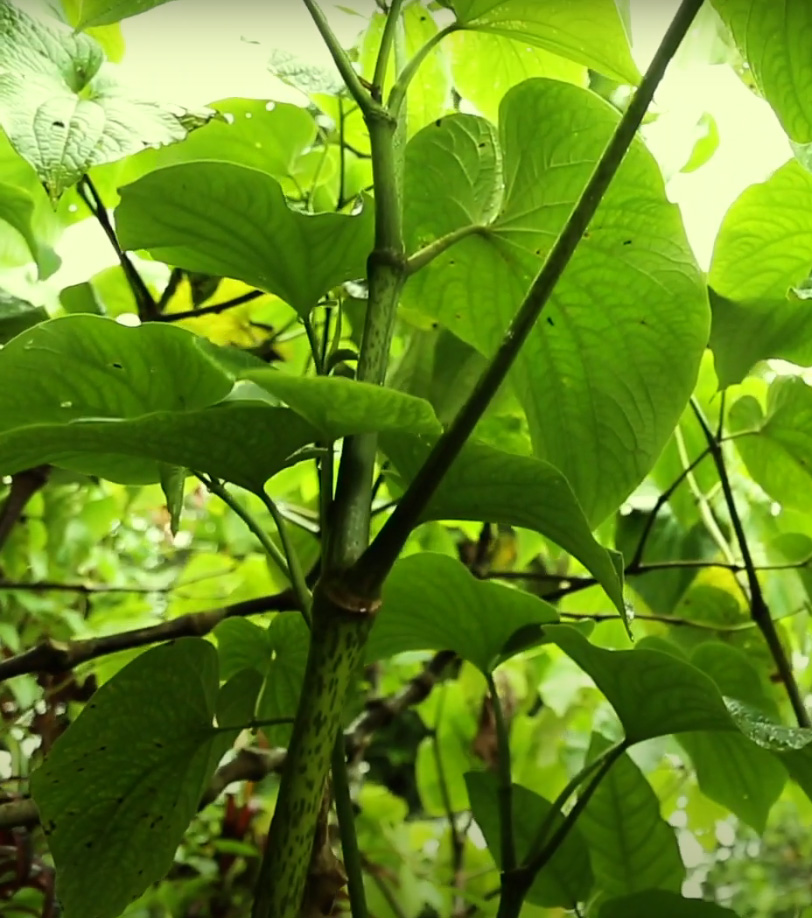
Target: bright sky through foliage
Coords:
[(194, 53)]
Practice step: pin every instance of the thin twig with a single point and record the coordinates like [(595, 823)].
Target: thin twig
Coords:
[(663, 499), (351, 79), (60, 656), (759, 609), (144, 301), (214, 309), (428, 253), (219, 489)]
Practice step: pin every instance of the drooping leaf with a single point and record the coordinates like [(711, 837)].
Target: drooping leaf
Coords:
[(775, 445), (173, 479), (63, 111), (706, 144), (592, 412), (431, 602), (653, 693), (758, 276), (567, 878), (595, 38), (332, 403), (104, 12), (17, 315), (663, 904), (730, 769), (494, 486), (118, 790), (782, 69), (632, 848), (89, 394), (232, 221), (17, 210)]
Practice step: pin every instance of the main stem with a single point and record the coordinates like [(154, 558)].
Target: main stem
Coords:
[(341, 618)]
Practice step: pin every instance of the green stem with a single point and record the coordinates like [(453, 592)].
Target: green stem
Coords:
[(428, 253), (398, 93), (296, 574), (558, 804), (385, 50), (346, 828), (369, 573), (505, 781), (540, 860), (759, 610), (338, 636), (341, 618), (219, 489), (342, 61)]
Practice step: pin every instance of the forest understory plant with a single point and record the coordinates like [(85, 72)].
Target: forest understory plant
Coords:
[(435, 474)]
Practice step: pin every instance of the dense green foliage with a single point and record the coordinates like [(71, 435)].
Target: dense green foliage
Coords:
[(407, 441)]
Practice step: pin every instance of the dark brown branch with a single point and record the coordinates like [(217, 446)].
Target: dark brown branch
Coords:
[(759, 610), (24, 485), (57, 657), (86, 589), (214, 309), (663, 499), (144, 301)]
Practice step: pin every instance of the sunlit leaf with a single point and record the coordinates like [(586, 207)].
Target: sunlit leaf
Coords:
[(758, 276), (632, 288), (64, 112), (232, 221), (592, 35), (780, 66)]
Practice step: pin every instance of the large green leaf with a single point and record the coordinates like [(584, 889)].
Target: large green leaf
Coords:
[(567, 878), (270, 136), (63, 112), (663, 904), (632, 847), (776, 445), (117, 791), (632, 288), (509, 62), (730, 769), (431, 602), (87, 393), (653, 693), (104, 12), (766, 34), (595, 37), (334, 403), (232, 221), (759, 268), (488, 484)]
